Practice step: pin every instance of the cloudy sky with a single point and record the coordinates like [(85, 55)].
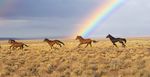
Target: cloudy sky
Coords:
[(54, 18)]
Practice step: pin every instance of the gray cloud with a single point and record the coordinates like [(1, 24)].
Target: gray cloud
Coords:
[(37, 18), (52, 8)]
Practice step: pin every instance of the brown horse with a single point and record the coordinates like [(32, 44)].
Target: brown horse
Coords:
[(53, 42), (114, 40), (85, 41), (15, 44)]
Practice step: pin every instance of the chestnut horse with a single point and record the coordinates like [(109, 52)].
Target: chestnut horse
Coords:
[(53, 42), (15, 44), (114, 40), (85, 41)]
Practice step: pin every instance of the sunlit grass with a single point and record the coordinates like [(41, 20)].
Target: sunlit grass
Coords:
[(102, 60)]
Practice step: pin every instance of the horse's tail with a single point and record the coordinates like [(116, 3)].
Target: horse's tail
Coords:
[(25, 45), (124, 40), (94, 41), (60, 42)]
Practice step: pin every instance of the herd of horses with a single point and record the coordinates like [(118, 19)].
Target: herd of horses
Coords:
[(14, 44)]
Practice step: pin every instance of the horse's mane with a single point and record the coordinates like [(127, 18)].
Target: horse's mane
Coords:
[(46, 39), (12, 40), (80, 37), (111, 36)]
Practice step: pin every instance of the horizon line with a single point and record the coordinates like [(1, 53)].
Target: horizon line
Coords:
[(63, 37)]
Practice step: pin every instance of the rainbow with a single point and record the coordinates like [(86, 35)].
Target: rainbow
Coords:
[(98, 17)]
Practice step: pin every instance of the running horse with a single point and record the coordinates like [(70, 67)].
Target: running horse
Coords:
[(114, 40), (85, 41), (15, 44), (53, 42)]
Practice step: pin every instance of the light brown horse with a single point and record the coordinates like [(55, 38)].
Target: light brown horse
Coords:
[(15, 44), (53, 42), (85, 41)]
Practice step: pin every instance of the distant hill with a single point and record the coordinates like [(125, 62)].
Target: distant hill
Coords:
[(55, 37), (12, 38)]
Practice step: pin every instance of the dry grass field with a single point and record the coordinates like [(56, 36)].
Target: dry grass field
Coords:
[(102, 60)]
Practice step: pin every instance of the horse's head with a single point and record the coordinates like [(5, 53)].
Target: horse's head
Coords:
[(45, 39), (78, 37), (108, 36), (11, 41)]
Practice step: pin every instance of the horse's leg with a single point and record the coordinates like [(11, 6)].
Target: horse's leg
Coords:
[(51, 46), (13, 48), (123, 45), (79, 45), (115, 45), (10, 47), (59, 44), (22, 47), (19, 48), (86, 45), (91, 44)]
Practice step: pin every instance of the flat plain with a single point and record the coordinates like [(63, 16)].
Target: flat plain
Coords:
[(101, 60)]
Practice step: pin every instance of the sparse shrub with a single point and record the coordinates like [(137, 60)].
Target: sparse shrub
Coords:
[(89, 73), (10, 69), (143, 73), (21, 61), (33, 71), (51, 68), (115, 64), (4, 73), (92, 67), (44, 59), (77, 72), (101, 60)]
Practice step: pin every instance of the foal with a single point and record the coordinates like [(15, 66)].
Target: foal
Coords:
[(114, 40), (85, 41), (53, 42), (15, 44)]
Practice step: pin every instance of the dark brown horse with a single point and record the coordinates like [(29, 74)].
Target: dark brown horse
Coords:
[(85, 41), (114, 40), (15, 44), (53, 42)]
